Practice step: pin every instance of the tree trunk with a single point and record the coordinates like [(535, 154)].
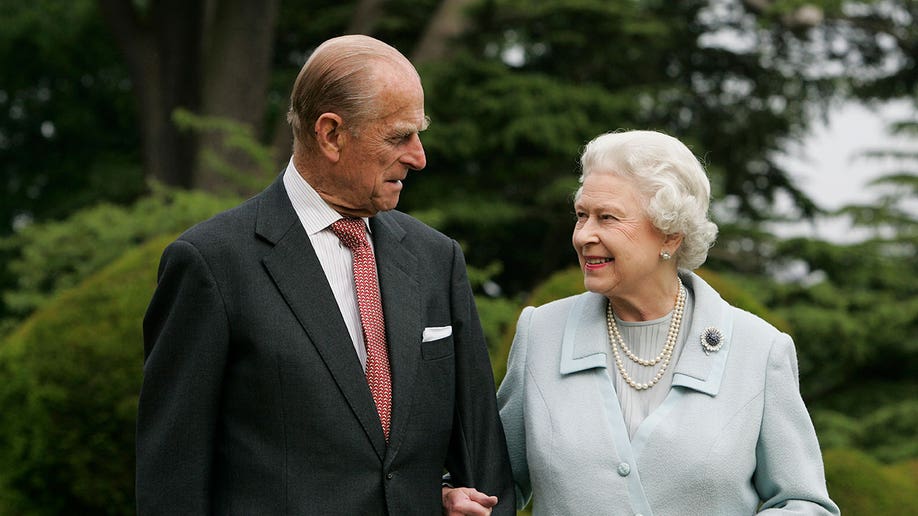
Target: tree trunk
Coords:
[(366, 14), (211, 57), (448, 21), (162, 48), (239, 41)]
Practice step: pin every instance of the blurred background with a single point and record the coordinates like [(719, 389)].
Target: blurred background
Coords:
[(123, 122)]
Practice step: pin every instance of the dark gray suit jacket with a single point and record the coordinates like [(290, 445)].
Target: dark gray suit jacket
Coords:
[(254, 401)]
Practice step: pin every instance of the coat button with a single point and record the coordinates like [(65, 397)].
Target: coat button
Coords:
[(624, 469), (389, 476)]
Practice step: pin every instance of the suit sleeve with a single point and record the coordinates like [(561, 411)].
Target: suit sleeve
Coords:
[(185, 348), (789, 474), (510, 403), (478, 453)]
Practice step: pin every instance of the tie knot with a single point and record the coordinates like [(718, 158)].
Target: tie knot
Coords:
[(351, 232)]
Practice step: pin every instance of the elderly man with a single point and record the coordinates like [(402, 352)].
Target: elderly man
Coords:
[(311, 351)]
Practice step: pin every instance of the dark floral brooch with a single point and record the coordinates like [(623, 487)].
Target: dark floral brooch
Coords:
[(711, 340)]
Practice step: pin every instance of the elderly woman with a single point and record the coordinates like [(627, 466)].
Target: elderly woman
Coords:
[(650, 394)]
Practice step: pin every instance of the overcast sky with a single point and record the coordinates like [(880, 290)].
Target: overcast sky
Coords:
[(827, 166)]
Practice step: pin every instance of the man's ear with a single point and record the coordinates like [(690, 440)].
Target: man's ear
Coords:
[(329, 135)]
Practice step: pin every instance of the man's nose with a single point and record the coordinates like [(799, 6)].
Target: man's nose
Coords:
[(415, 157)]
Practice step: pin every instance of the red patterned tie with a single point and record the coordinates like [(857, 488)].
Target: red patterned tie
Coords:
[(352, 233)]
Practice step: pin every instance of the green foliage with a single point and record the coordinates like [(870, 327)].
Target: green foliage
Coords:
[(53, 256), (877, 417), (497, 315), (854, 316), (739, 295), (71, 376), (530, 85), (234, 137), (863, 487), (68, 136), (564, 283)]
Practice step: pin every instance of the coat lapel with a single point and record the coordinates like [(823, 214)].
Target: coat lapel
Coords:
[(402, 308), (585, 341), (696, 369), (298, 275)]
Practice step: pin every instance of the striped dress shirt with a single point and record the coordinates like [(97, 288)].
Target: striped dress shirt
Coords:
[(336, 259)]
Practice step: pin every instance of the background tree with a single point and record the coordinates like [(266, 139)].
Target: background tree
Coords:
[(67, 134), (211, 57)]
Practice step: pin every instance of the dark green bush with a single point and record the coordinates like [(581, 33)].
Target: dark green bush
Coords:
[(71, 375), (861, 486), (52, 256), (886, 432)]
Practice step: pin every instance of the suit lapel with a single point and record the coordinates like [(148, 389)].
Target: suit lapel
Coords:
[(402, 309), (298, 275)]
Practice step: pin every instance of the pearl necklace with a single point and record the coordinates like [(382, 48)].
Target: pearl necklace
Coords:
[(665, 355)]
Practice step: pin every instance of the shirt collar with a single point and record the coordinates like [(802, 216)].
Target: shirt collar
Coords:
[(314, 213)]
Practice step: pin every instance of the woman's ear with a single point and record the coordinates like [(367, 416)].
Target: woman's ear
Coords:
[(329, 135), (672, 242)]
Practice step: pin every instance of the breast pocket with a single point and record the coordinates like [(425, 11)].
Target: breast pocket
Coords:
[(437, 349)]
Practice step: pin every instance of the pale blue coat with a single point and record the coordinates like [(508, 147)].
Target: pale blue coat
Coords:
[(732, 436)]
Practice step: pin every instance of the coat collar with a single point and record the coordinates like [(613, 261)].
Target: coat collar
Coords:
[(585, 342)]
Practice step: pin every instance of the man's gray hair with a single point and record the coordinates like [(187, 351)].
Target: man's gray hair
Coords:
[(340, 77)]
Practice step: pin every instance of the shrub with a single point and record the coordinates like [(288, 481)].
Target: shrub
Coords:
[(862, 486), (71, 376), (53, 256)]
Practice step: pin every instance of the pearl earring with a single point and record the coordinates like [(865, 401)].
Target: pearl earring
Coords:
[(665, 255)]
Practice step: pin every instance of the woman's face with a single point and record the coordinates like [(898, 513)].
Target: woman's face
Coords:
[(618, 246)]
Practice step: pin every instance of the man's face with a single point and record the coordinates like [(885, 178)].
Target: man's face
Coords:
[(375, 160)]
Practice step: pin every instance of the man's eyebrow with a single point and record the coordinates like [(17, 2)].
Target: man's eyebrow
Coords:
[(408, 128)]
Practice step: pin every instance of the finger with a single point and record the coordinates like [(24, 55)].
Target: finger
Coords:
[(481, 498)]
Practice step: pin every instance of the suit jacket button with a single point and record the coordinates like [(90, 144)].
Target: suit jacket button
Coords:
[(389, 476), (624, 469)]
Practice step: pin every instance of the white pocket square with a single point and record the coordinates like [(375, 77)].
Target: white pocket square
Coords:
[(436, 333)]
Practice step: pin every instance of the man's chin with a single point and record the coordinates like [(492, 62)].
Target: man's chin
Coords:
[(389, 203)]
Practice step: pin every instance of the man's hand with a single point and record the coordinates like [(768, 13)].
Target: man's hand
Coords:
[(465, 501)]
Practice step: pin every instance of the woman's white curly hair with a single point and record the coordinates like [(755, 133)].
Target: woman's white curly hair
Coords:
[(671, 179)]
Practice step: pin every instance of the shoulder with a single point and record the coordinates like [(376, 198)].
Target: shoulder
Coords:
[(224, 226), (560, 308), (747, 323), (552, 318), (748, 330), (225, 241)]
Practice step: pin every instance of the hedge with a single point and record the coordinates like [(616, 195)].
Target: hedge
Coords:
[(71, 375)]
